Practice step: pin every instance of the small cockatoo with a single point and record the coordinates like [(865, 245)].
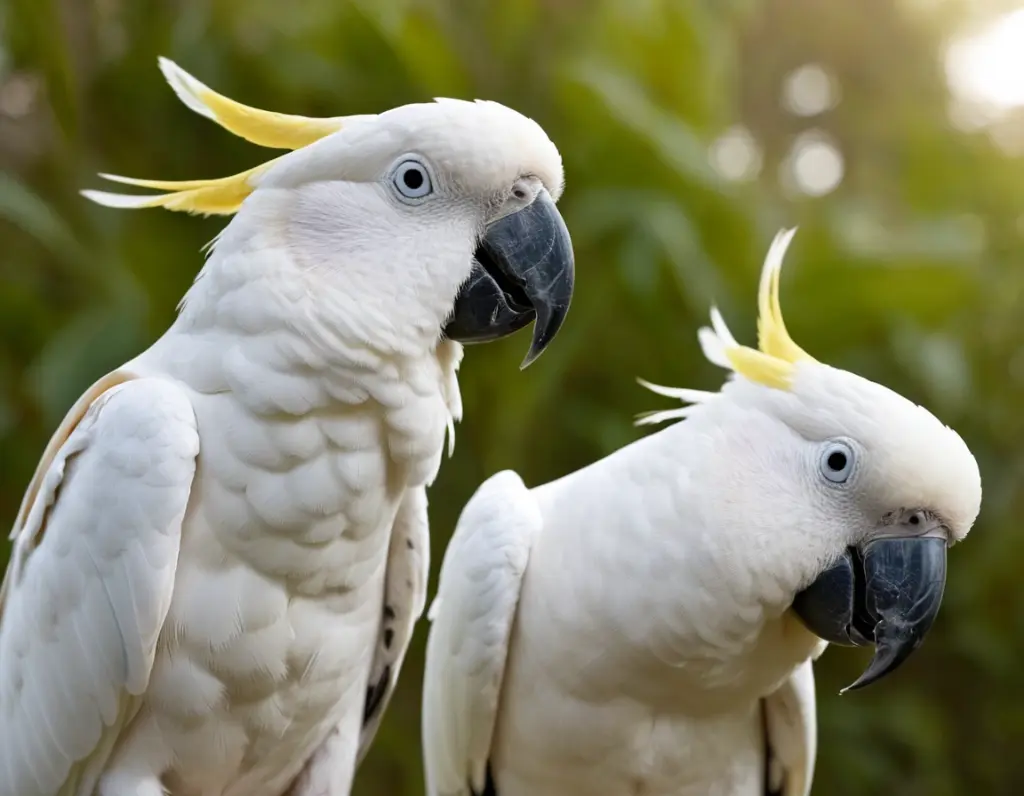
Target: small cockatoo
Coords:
[(647, 624), (220, 559)]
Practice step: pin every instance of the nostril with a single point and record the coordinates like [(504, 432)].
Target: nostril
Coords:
[(525, 189)]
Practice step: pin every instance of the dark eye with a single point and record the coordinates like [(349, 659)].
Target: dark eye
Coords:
[(837, 461), (411, 180)]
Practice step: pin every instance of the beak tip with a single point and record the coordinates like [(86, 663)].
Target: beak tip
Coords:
[(861, 682), (537, 347), (875, 671)]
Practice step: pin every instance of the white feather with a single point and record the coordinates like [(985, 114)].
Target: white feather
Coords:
[(775, 257), (682, 393), (185, 86), (584, 676), (99, 585), (662, 416), (311, 360), (122, 201), (470, 632)]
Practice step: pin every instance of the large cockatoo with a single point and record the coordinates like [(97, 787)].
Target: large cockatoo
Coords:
[(220, 559), (646, 625)]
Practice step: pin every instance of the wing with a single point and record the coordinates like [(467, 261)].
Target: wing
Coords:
[(405, 595), (472, 619), (792, 734), (90, 580)]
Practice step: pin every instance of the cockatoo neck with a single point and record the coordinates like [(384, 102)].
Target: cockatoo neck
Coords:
[(691, 593), (283, 340), (350, 293), (732, 555)]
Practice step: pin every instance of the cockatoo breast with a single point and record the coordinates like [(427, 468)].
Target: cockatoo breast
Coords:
[(305, 456)]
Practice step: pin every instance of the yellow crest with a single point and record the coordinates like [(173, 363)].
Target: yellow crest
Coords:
[(264, 128), (220, 197), (225, 195), (770, 364)]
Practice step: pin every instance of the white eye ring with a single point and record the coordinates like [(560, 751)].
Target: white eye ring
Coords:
[(836, 462), (412, 180)]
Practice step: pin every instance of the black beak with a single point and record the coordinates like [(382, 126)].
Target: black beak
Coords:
[(886, 594), (524, 270)]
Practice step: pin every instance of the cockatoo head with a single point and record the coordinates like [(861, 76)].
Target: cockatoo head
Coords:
[(439, 216), (857, 491)]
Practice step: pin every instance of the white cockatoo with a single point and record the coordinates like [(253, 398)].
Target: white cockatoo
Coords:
[(647, 624), (220, 559)]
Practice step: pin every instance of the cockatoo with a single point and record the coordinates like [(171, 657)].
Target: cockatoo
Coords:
[(647, 624), (219, 561)]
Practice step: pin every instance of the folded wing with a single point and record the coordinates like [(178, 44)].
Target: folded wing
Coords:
[(89, 583)]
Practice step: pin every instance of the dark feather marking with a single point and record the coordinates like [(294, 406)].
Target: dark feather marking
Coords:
[(389, 636), (489, 788), (389, 612), (768, 755), (375, 694)]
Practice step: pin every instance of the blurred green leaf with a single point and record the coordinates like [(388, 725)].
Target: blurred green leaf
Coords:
[(908, 273), (675, 143), (28, 211), (94, 342)]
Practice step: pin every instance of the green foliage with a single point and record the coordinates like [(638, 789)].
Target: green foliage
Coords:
[(907, 273)]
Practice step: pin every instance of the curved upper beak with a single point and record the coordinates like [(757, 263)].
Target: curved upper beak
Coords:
[(524, 271), (885, 593)]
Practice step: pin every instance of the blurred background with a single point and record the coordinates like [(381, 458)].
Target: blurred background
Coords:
[(891, 131)]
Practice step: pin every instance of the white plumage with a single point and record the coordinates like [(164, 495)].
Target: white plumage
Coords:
[(219, 563), (630, 628)]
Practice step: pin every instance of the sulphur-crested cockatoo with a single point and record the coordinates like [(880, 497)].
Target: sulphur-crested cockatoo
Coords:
[(219, 561), (641, 626)]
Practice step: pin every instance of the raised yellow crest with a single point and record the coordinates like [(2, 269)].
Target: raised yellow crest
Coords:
[(225, 195), (773, 363), (770, 364)]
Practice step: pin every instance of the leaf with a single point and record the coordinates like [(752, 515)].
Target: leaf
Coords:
[(95, 341), (865, 232), (674, 141), (28, 211), (939, 361), (695, 273)]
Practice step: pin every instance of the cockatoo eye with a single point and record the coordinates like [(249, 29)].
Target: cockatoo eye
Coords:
[(411, 180), (837, 460)]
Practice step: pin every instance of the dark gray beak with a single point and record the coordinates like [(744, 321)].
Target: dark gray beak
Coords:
[(524, 271), (885, 594)]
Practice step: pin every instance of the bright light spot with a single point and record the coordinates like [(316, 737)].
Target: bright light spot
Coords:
[(966, 115), (735, 154), (18, 95), (809, 91), (1008, 135), (989, 67), (815, 165)]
